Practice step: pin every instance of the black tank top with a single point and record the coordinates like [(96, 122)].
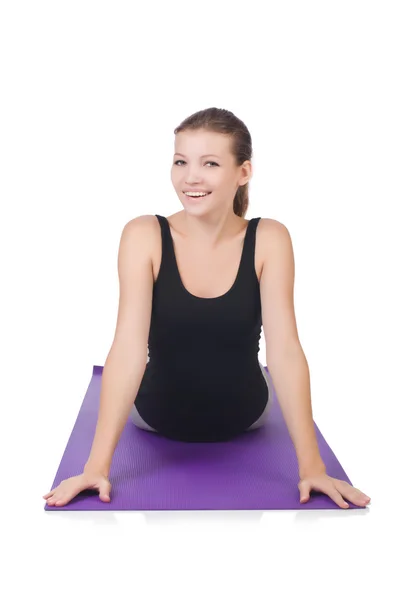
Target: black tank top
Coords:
[(203, 381)]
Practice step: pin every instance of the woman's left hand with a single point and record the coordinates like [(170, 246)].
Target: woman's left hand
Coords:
[(336, 489)]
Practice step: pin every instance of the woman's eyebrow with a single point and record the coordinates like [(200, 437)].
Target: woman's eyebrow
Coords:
[(204, 155)]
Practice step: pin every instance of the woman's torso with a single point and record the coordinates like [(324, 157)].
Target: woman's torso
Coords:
[(203, 380)]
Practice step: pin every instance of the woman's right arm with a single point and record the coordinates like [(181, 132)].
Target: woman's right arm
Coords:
[(126, 362)]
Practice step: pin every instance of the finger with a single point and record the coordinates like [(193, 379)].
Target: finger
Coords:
[(62, 500), (353, 494), (57, 499), (66, 498), (53, 493), (336, 497), (304, 488), (54, 490), (50, 498), (50, 493), (104, 491), (63, 497)]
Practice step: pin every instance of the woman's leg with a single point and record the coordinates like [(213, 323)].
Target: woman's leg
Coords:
[(263, 417), (138, 421)]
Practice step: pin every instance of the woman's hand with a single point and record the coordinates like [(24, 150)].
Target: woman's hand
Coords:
[(336, 489), (69, 488)]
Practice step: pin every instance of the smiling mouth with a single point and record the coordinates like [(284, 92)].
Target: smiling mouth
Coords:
[(197, 197)]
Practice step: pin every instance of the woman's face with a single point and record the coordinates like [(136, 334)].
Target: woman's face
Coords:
[(203, 162)]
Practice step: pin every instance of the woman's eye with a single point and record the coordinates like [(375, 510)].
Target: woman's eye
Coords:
[(208, 161)]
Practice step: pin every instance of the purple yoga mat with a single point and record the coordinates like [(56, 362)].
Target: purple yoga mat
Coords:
[(256, 470)]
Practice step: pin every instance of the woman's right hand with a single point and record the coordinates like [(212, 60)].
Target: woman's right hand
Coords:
[(69, 488)]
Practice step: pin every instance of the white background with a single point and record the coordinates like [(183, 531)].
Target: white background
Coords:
[(90, 95)]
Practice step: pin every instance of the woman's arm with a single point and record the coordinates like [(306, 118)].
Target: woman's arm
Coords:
[(127, 359), (121, 379)]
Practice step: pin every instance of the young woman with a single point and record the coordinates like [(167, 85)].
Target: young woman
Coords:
[(195, 289)]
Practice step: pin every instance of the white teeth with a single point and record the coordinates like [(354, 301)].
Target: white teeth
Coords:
[(195, 194)]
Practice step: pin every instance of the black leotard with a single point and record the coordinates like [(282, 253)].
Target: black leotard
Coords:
[(203, 381)]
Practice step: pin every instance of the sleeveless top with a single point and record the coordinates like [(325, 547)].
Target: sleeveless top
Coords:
[(203, 381)]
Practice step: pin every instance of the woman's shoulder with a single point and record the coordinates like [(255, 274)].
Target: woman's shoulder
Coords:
[(142, 227), (271, 234), (270, 227), (141, 222)]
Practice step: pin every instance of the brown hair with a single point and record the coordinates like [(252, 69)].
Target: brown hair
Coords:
[(220, 120)]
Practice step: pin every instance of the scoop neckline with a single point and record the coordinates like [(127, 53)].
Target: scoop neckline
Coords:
[(235, 280)]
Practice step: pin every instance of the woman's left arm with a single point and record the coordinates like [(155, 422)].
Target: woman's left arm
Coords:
[(290, 375), (288, 366)]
